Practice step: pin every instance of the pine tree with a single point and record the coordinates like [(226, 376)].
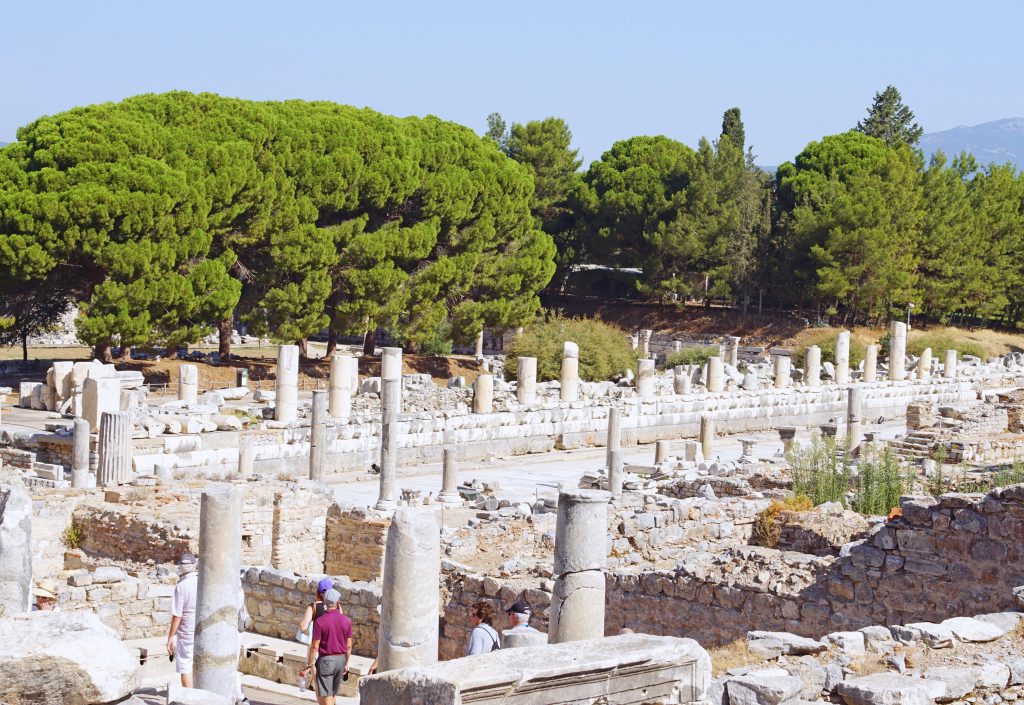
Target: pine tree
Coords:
[(890, 120)]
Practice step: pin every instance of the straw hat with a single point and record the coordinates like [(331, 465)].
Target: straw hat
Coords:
[(47, 587)]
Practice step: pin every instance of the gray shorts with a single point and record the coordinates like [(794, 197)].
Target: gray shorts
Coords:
[(329, 670)]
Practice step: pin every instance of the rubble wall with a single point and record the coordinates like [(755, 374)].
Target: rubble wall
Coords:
[(962, 554), (52, 513), (134, 608), (276, 601), (354, 543)]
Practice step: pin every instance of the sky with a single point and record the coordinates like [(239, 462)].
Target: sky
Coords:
[(612, 70)]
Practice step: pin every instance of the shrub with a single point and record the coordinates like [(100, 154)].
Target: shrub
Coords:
[(439, 343), (940, 342), (767, 530), (691, 355), (819, 472), (880, 482), (72, 536), (826, 340), (604, 348)]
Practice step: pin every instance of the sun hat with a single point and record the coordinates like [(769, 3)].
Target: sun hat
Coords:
[(46, 587), (324, 585)]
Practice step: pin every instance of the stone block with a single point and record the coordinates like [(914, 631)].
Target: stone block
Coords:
[(757, 689), (890, 689)]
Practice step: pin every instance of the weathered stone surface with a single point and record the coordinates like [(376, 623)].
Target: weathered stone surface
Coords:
[(178, 695), (15, 548), (631, 669), (959, 681), (890, 689), (935, 636), (791, 643), (1007, 621), (992, 675), (878, 638), (967, 629), (63, 658), (1018, 596), (811, 673), (755, 689), (852, 644)]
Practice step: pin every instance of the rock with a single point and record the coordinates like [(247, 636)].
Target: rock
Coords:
[(833, 677), (791, 643), (15, 548), (972, 630), (878, 638), (1016, 666), (756, 689), (226, 422), (179, 695), (1018, 595), (264, 395), (890, 689), (233, 393), (1007, 621), (992, 675), (108, 574), (766, 649), (935, 636), (52, 658), (959, 681), (706, 492), (811, 673), (852, 644)]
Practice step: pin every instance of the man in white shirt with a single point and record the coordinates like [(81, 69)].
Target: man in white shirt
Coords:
[(181, 637)]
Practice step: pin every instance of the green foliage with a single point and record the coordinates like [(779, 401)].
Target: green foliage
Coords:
[(941, 342), (691, 355), (604, 349), (890, 120), (880, 482), (767, 530), (732, 127), (820, 472), (72, 536), (28, 310), (826, 340)]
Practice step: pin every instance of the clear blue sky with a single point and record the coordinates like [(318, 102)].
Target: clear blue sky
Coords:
[(798, 70)]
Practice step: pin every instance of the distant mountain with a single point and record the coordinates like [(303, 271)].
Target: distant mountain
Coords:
[(1000, 141)]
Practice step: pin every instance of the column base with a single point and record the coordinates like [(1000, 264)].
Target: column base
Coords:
[(385, 505), (450, 498)]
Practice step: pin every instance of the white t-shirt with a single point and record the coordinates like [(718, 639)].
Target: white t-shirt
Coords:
[(184, 605)]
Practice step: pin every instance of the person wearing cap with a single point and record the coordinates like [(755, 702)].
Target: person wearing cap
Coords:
[(483, 639), (181, 636), (45, 592), (329, 650), (313, 611), (519, 617)]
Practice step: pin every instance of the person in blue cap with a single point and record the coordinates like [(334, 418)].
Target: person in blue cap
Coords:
[(313, 610)]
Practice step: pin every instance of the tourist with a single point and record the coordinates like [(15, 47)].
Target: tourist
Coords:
[(483, 639), (45, 593), (181, 636), (519, 617), (329, 650), (313, 611)]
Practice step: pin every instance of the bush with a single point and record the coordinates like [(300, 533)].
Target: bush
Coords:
[(72, 536), (941, 342), (819, 472), (604, 348), (880, 482), (439, 343), (691, 355), (767, 530), (826, 340)]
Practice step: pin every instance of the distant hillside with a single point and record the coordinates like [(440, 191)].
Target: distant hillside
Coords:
[(1000, 141)]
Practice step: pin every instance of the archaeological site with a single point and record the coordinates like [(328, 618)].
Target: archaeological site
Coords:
[(744, 531)]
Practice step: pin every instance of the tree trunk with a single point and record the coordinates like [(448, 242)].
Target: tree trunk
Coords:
[(24, 347), (332, 342), (102, 352), (126, 352), (369, 342), (303, 344), (224, 330), (171, 351)]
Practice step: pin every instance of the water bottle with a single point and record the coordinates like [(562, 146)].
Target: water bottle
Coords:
[(303, 684)]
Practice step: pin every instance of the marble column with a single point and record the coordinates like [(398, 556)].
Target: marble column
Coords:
[(98, 397), (782, 374), (949, 368), (80, 454), (246, 457), (644, 343), (707, 436), (220, 591), (478, 349), (661, 450), (714, 379), (391, 363), (681, 379), (188, 384), (577, 602), (483, 394), (318, 438), (897, 351), (924, 365), (843, 357), (645, 379), (391, 404), (340, 402), (854, 418), (409, 611), (526, 380), (286, 397), (615, 469), (449, 479), (614, 437), (732, 350), (570, 377), (812, 366), (870, 363), (115, 446)]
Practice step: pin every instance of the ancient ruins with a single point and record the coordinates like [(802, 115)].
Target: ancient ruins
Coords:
[(668, 563)]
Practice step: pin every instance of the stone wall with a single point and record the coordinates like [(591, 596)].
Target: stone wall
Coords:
[(276, 601), (959, 555), (354, 544), (110, 532), (132, 607), (52, 513)]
